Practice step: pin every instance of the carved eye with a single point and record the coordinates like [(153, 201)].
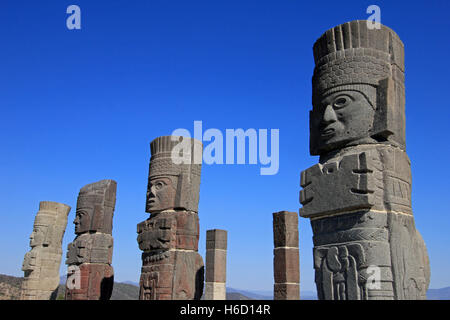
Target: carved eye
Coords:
[(340, 102), (159, 185), (81, 213)]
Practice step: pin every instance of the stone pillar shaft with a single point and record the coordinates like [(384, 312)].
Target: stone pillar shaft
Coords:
[(216, 264), (286, 256)]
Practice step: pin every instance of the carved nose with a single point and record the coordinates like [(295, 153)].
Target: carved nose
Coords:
[(329, 116)]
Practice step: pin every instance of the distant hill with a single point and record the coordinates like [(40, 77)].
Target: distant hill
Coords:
[(249, 295), (10, 287), (121, 291), (10, 290), (237, 296), (268, 295)]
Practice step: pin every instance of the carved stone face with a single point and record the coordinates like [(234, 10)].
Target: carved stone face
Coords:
[(29, 263), (340, 118), (161, 194), (37, 237), (83, 218)]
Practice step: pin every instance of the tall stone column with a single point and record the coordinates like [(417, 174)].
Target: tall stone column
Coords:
[(358, 197), (286, 265), (41, 264), (216, 265), (90, 273), (172, 269)]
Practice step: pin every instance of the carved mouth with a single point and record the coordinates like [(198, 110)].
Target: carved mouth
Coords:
[(327, 132)]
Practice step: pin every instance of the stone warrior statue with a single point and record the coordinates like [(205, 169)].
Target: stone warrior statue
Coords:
[(41, 264), (90, 275), (172, 269), (358, 196)]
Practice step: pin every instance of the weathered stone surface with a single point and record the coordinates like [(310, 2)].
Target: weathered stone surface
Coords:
[(174, 180), (361, 177), (172, 269), (172, 275), (90, 248), (285, 229), (216, 264), (345, 246), (215, 291), (189, 275), (337, 187), (95, 207), (366, 67), (286, 291), (411, 266), (156, 282), (89, 256), (286, 265), (286, 259), (41, 264), (169, 229), (96, 282), (358, 196), (216, 239), (158, 233)]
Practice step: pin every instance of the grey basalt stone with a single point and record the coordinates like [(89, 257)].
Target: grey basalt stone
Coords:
[(95, 207), (367, 67), (286, 256), (90, 248), (358, 196), (216, 264), (172, 268), (337, 186), (174, 174), (89, 256), (41, 264)]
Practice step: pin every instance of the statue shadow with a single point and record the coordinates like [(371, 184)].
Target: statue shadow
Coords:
[(106, 288)]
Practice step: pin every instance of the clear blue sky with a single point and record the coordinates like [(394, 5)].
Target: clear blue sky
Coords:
[(81, 106)]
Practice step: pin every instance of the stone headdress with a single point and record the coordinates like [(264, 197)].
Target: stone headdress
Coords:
[(52, 219), (181, 157), (101, 196), (353, 57)]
